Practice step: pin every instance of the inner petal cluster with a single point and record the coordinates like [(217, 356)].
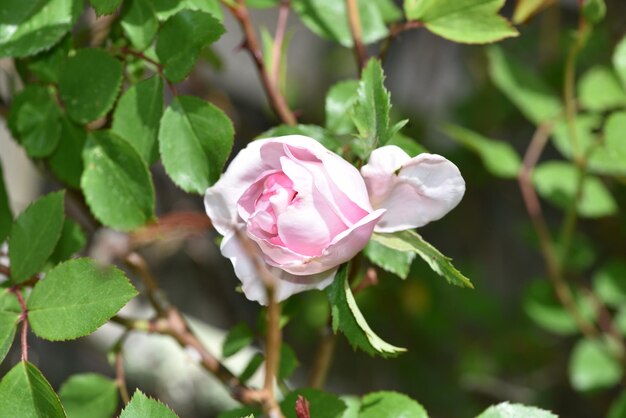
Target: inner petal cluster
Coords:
[(295, 211)]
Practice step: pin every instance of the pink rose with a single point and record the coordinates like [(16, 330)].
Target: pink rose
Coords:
[(309, 211)]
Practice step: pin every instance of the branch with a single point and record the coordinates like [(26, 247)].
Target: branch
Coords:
[(251, 43), (138, 264), (159, 67), (323, 359), (533, 206), (395, 30), (24, 318), (279, 37), (120, 375), (354, 21), (273, 338)]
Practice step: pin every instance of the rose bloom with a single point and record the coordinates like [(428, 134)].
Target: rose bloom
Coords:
[(307, 210)]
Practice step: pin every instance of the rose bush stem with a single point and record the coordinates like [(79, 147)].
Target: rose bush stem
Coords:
[(533, 207), (354, 21), (251, 43), (323, 359)]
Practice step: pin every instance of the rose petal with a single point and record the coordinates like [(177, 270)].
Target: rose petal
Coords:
[(220, 200), (286, 284), (424, 189), (344, 246)]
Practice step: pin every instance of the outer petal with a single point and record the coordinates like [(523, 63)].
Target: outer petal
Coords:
[(252, 285), (341, 249), (414, 191), (220, 200)]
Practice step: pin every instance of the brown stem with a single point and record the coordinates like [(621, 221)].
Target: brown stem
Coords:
[(277, 100), (279, 37), (159, 67), (533, 206), (24, 318), (323, 359), (174, 325), (138, 264), (354, 21), (395, 30), (120, 376), (5, 270)]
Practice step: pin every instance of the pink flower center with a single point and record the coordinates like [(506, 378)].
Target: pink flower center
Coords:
[(277, 195)]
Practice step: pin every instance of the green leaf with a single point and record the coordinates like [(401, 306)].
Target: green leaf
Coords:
[(6, 216), (313, 131), (393, 261), (252, 367), (34, 121), (48, 65), (137, 115), (262, 4), (181, 40), (321, 404), (25, 393), (499, 157), (139, 23), (339, 101), (116, 182), (408, 145), (89, 395), (89, 84), (239, 337), (614, 139), (525, 9), (618, 408), (8, 327), (593, 366), (532, 96), (66, 162), (27, 27), (439, 263), (140, 406), (619, 60), (288, 362), (594, 10), (508, 410), (34, 235), (9, 302), (371, 108), (328, 19), (72, 241), (76, 298), (244, 412), (465, 21), (347, 317), (386, 404), (166, 8), (609, 283), (541, 305), (105, 7), (599, 89), (195, 140), (557, 181)]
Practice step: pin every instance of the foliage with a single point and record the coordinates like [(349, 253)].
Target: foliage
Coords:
[(103, 97)]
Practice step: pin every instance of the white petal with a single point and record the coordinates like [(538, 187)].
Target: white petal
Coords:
[(220, 200), (422, 189), (252, 284)]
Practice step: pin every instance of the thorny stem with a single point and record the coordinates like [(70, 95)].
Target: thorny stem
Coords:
[(251, 43), (279, 37), (273, 338), (138, 264), (120, 375), (159, 67), (354, 21), (395, 30), (24, 318), (323, 358), (553, 265)]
